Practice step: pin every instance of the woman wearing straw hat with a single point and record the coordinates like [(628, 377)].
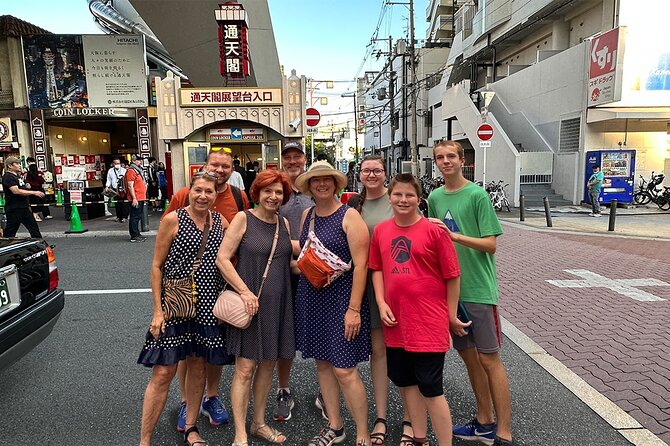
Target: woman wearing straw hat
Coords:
[(333, 323)]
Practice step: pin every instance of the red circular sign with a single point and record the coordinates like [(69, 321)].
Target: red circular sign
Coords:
[(485, 132), (313, 117)]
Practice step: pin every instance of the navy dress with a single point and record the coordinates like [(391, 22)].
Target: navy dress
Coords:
[(319, 314), (202, 336)]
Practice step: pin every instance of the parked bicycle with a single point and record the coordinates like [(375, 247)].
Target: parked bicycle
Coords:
[(497, 195), (429, 184), (663, 201), (649, 192)]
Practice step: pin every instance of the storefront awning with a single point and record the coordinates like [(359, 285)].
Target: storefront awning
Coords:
[(599, 114)]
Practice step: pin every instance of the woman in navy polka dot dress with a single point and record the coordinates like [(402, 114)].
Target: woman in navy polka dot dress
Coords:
[(196, 340), (333, 323)]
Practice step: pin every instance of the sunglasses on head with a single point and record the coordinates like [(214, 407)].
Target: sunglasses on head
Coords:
[(221, 149), (205, 174)]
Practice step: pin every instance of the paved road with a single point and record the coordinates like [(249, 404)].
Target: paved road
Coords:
[(617, 344), (82, 386)]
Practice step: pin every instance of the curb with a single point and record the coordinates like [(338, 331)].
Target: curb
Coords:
[(54, 234), (528, 226)]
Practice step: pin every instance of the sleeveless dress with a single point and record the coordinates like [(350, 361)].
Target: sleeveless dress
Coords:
[(202, 336), (270, 336), (319, 314)]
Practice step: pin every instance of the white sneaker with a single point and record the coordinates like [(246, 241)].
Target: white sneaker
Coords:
[(48, 217), (108, 214), (598, 215), (591, 214)]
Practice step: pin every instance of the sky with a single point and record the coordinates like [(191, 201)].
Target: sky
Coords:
[(320, 39)]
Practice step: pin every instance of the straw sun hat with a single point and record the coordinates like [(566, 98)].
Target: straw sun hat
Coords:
[(320, 169)]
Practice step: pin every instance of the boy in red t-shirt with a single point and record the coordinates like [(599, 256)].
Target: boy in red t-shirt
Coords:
[(416, 278)]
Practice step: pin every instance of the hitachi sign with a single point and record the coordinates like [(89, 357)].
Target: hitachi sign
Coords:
[(128, 40)]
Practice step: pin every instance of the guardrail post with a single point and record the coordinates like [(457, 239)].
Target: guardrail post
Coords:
[(547, 212), (522, 207), (612, 219)]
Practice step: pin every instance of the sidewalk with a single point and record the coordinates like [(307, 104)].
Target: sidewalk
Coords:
[(98, 227), (641, 221)]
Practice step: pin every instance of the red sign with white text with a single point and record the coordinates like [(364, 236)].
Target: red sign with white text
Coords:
[(603, 68)]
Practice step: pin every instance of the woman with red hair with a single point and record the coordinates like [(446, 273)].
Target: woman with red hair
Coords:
[(252, 237)]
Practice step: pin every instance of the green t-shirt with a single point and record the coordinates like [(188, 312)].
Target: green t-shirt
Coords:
[(597, 178), (376, 211), (468, 211)]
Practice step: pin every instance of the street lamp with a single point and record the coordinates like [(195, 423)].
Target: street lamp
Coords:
[(353, 95)]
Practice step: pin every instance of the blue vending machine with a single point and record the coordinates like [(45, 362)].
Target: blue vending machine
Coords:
[(618, 167)]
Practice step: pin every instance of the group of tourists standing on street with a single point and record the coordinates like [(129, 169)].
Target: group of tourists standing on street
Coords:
[(400, 290)]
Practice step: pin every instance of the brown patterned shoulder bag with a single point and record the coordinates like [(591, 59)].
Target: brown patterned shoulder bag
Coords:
[(181, 295)]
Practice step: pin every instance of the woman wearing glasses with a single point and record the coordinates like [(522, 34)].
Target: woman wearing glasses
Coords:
[(197, 340)]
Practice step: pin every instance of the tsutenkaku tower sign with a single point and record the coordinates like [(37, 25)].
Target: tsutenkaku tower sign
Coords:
[(233, 44)]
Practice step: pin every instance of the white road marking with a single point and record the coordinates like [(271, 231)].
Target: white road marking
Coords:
[(128, 291), (627, 287)]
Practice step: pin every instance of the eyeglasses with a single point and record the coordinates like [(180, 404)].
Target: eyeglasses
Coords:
[(376, 172)]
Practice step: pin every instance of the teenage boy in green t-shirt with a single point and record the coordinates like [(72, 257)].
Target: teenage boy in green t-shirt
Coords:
[(464, 210)]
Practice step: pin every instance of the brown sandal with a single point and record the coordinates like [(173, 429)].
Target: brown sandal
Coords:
[(406, 439), (267, 433), (378, 438)]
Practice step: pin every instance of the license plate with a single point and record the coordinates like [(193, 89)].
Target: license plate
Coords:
[(5, 301), (10, 292)]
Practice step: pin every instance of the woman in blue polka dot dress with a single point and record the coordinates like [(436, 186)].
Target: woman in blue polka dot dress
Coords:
[(332, 324), (196, 340)]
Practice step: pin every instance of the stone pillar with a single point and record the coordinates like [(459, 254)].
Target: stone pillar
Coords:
[(178, 164)]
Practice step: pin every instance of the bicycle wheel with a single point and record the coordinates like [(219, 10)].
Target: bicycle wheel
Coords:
[(663, 203), (641, 198), (505, 202)]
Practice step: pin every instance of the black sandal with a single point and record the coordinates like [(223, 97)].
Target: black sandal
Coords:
[(379, 438), (190, 430), (406, 439)]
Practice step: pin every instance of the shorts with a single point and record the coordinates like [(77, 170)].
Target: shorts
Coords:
[(484, 333), (422, 369)]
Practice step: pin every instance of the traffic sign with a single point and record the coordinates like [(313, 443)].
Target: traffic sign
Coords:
[(485, 132), (313, 117), (484, 144)]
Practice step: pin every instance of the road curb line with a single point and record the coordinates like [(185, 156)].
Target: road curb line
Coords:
[(616, 417), (49, 235), (527, 226)]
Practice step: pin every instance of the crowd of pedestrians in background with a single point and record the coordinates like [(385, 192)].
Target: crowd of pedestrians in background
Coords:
[(408, 288)]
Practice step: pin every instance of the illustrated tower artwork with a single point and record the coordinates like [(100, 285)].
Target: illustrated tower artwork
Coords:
[(51, 88)]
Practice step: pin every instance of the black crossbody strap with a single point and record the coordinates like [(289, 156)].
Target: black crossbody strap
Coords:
[(203, 245)]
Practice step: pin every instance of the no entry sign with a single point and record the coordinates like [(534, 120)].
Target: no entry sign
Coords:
[(485, 132), (313, 117)]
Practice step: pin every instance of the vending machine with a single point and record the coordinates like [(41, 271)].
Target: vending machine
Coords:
[(618, 167)]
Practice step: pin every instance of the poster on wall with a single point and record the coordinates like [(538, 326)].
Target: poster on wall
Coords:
[(115, 71), (75, 71)]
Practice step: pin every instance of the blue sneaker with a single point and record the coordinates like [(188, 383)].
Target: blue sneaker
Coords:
[(213, 408), (181, 418), (476, 432)]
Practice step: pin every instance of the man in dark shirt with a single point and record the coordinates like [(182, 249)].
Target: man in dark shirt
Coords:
[(17, 206)]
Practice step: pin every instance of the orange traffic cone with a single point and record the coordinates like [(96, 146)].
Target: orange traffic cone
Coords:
[(75, 221)]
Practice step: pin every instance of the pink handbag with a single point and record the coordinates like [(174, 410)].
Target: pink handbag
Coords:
[(229, 306)]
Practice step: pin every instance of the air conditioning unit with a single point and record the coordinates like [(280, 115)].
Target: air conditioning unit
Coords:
[(406, 167)]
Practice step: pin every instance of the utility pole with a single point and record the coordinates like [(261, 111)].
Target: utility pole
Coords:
[(413, 140), (392, 122)]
